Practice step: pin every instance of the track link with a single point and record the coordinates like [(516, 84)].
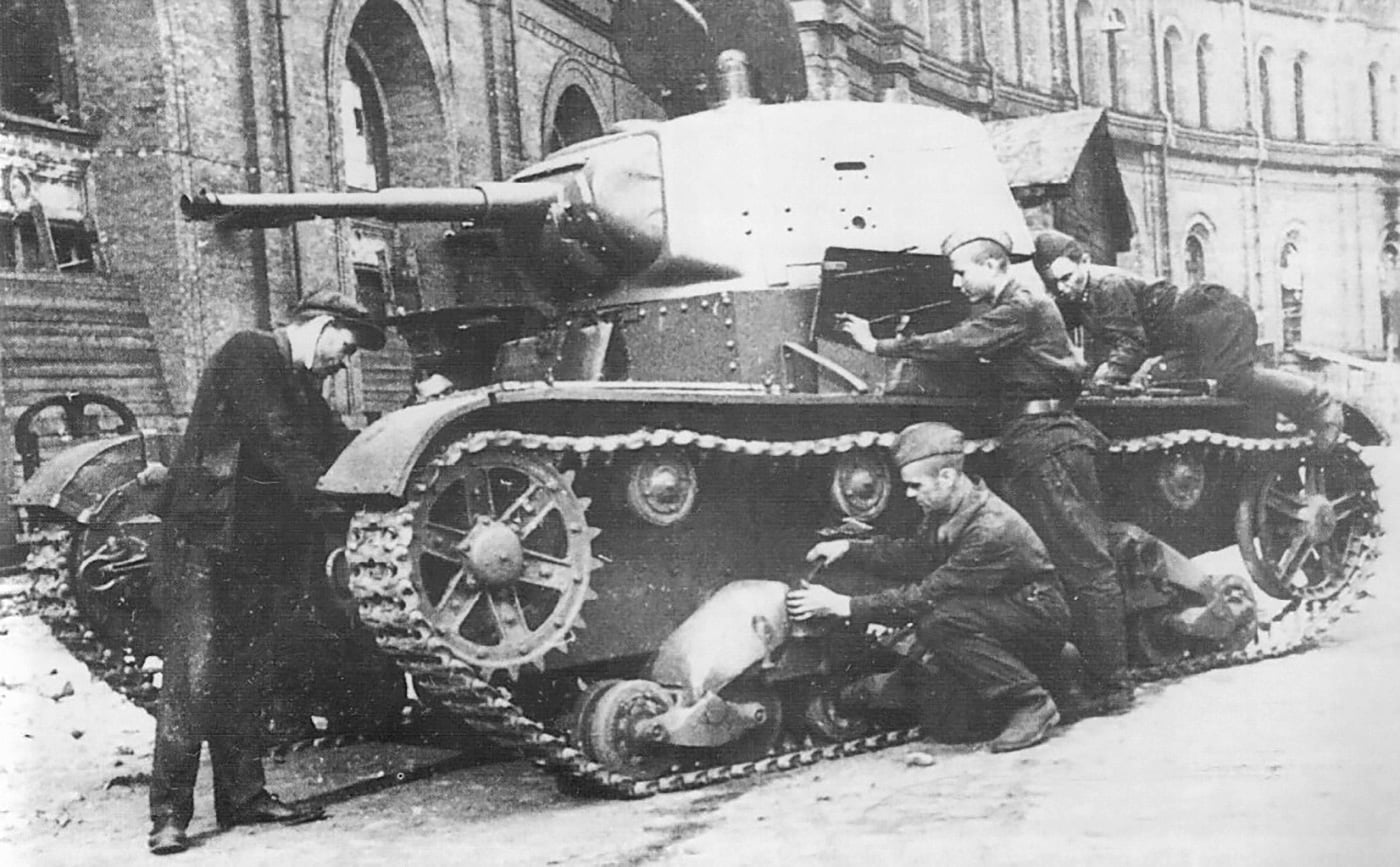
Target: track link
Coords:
[(115, 662), (381, 578)]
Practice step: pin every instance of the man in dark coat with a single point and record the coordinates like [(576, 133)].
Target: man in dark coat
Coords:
[(1047, 450), (986, 601), (239, 521)]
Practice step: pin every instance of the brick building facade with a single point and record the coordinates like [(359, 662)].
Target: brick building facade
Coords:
[(1258, 141)]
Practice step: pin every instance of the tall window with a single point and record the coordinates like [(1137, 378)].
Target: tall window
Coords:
[(1373, 94), (1290, 267), (1266, 97), (1195, 260), (362, 124), (1390, 295), (1170, 42), (1017, 45), (36, 61), (1086, 35), (1203, 80), (1114, 24), (1300, 126)]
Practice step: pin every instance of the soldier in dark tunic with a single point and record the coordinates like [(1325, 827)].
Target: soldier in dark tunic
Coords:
[(238, 522), (1047, 451), (1144, 331), (989, 601)]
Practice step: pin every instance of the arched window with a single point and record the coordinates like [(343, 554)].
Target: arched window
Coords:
[(362, 124), (1266, 96), (1171, 47), (575, 119), (1300, 125), (1114, 24), (1373, 94), (36, 61), (1195, 259), (1291, 280), (1203, 80)]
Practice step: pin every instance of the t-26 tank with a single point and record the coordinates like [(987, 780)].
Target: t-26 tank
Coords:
[(611, 513)]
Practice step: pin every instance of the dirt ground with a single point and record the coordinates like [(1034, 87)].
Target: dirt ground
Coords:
[(1285, 762)]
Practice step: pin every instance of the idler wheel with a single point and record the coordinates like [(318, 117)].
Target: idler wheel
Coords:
[(501, 556), (612, 726), (1302, 523)]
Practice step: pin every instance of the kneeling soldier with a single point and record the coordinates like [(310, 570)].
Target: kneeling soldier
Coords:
[(990, 600)]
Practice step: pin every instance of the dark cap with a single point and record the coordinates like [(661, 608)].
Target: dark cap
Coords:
[(926, 439), (1051, 245), (346, 312), (962, 237)]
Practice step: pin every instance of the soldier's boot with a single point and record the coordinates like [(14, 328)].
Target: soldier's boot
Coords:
[(1327, 422), (1032, 718)]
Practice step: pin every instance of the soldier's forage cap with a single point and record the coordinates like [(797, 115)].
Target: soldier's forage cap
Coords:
[(962, 237), (926, 439), (1051, 245), (346, 312)]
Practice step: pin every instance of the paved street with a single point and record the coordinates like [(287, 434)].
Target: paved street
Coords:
[(1284, 762)]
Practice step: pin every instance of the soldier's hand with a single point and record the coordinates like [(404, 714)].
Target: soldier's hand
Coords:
[(830, 550), (858, 330), (1143, 377), (814, 600)]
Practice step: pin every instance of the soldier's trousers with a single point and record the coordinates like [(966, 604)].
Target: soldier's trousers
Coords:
[(1297, 397), (210, 691), (994, 642), (1060, 498)]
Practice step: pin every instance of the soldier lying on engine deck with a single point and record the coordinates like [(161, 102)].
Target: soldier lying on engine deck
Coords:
[(990, 601), (1135, 329)]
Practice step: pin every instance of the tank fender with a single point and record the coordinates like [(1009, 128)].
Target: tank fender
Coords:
[(79, 479), (744, 622), (1361, 423), (379, 460)]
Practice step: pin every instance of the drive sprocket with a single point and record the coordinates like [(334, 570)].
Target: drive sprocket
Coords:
[(499, 557)]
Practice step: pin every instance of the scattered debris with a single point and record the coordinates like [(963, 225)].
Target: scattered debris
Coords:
[(130, 781), (50, 688)]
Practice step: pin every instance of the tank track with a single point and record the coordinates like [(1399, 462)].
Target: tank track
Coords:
[(378, 552), (49, 543), (114, 662)]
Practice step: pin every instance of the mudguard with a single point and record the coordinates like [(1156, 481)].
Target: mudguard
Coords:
[(79, 479), (744, 622), (380, 459)]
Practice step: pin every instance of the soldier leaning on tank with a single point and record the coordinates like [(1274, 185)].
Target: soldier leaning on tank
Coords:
[(991, 601), (1144, 331), (240, 516), (1047, 451)]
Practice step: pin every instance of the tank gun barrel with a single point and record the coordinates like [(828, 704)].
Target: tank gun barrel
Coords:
[(485, 202)]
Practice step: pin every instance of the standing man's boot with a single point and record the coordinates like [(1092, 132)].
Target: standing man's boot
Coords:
[(167, 838), (1030, 724)]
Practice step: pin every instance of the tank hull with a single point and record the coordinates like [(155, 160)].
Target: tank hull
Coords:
[(763, 467)]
